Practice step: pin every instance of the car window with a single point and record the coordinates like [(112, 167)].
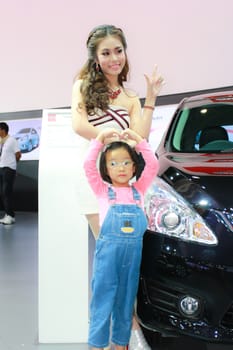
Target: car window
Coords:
[(24, 131), (180, 129), (203, 128)]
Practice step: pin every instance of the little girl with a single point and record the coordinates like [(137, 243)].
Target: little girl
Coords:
[(122, 225)]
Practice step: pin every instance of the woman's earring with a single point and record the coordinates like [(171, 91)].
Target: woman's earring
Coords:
[(97, 67)]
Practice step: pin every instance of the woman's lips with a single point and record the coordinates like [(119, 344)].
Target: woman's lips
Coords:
[(115, 66)]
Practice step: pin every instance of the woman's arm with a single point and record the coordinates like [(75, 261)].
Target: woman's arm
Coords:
[(141, 121), (80, 121)]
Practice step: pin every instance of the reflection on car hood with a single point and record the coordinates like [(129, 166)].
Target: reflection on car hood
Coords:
[(199, 177), (203, 164)]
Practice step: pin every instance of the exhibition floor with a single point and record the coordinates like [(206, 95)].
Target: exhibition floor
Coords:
[(19, 299)]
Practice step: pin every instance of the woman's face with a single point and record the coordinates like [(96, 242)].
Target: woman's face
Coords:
[(111, 56)]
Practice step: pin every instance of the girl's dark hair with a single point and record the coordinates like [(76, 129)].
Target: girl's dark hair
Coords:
[(113, 146), (94, 87)]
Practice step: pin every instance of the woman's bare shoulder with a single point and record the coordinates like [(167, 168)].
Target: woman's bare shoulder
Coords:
[(131, 93), (77, 84), (76, 93), (133, 100)]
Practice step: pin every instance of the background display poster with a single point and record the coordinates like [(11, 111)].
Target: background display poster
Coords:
[(63, 236), (27, 133), (57, 129)]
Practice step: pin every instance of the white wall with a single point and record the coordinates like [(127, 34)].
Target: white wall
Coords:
[(43, 45)]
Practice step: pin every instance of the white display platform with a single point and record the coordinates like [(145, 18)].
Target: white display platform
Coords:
[(63, 236)]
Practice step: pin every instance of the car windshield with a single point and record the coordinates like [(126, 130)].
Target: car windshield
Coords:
[(24, 131), (204, 126)]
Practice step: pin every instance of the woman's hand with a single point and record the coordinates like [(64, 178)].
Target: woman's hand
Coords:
[(154, 84)]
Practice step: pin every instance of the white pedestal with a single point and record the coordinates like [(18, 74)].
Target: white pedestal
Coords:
[(63, 236)]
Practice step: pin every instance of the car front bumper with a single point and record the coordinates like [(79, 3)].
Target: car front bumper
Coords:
[(170, 272)]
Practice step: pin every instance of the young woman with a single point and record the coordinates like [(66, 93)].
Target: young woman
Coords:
[(122, 225), (100, 100)]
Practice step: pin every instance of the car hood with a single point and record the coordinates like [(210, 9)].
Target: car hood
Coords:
[(200, 177)]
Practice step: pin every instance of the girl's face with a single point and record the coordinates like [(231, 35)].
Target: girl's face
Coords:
[(120, 167), (111, 56)]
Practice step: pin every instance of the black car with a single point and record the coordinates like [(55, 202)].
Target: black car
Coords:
[(186, 281)]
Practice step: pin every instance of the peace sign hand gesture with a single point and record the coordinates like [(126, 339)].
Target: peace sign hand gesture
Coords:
[(154, 84)]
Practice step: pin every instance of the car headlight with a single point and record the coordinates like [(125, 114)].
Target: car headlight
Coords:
[(170, 214)]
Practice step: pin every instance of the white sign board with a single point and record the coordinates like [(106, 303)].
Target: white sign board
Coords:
[(63, 236)]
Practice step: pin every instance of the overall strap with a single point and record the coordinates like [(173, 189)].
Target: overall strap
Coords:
[(111, 194), (136, 195)]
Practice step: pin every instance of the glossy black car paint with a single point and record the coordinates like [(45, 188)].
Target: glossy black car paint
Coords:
[(173, 268)]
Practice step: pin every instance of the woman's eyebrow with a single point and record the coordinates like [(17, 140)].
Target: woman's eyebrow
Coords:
[(115, 48)]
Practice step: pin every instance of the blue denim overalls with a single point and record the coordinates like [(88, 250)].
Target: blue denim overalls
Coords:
[(116, 272)]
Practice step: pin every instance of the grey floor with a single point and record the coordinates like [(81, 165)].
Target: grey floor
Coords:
[(18, 287), (18, 293)]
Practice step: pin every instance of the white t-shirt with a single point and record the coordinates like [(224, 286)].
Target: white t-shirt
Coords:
[(8, 150)]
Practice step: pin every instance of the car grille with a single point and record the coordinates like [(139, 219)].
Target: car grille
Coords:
[(166, 299), (227, 320), (162, 297)]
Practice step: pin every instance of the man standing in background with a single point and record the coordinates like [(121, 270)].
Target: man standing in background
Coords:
[(9, 156)]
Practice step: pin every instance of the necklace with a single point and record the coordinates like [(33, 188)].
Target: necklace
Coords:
[(114, 93)]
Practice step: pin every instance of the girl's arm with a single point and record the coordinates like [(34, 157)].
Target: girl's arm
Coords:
[(90, 166), (151, 162), (141, 121), (80, 121), (151, 167), (90, 162)]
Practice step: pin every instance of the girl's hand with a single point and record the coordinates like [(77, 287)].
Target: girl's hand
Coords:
[(154, 84), (108, 135), (131, 137)]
